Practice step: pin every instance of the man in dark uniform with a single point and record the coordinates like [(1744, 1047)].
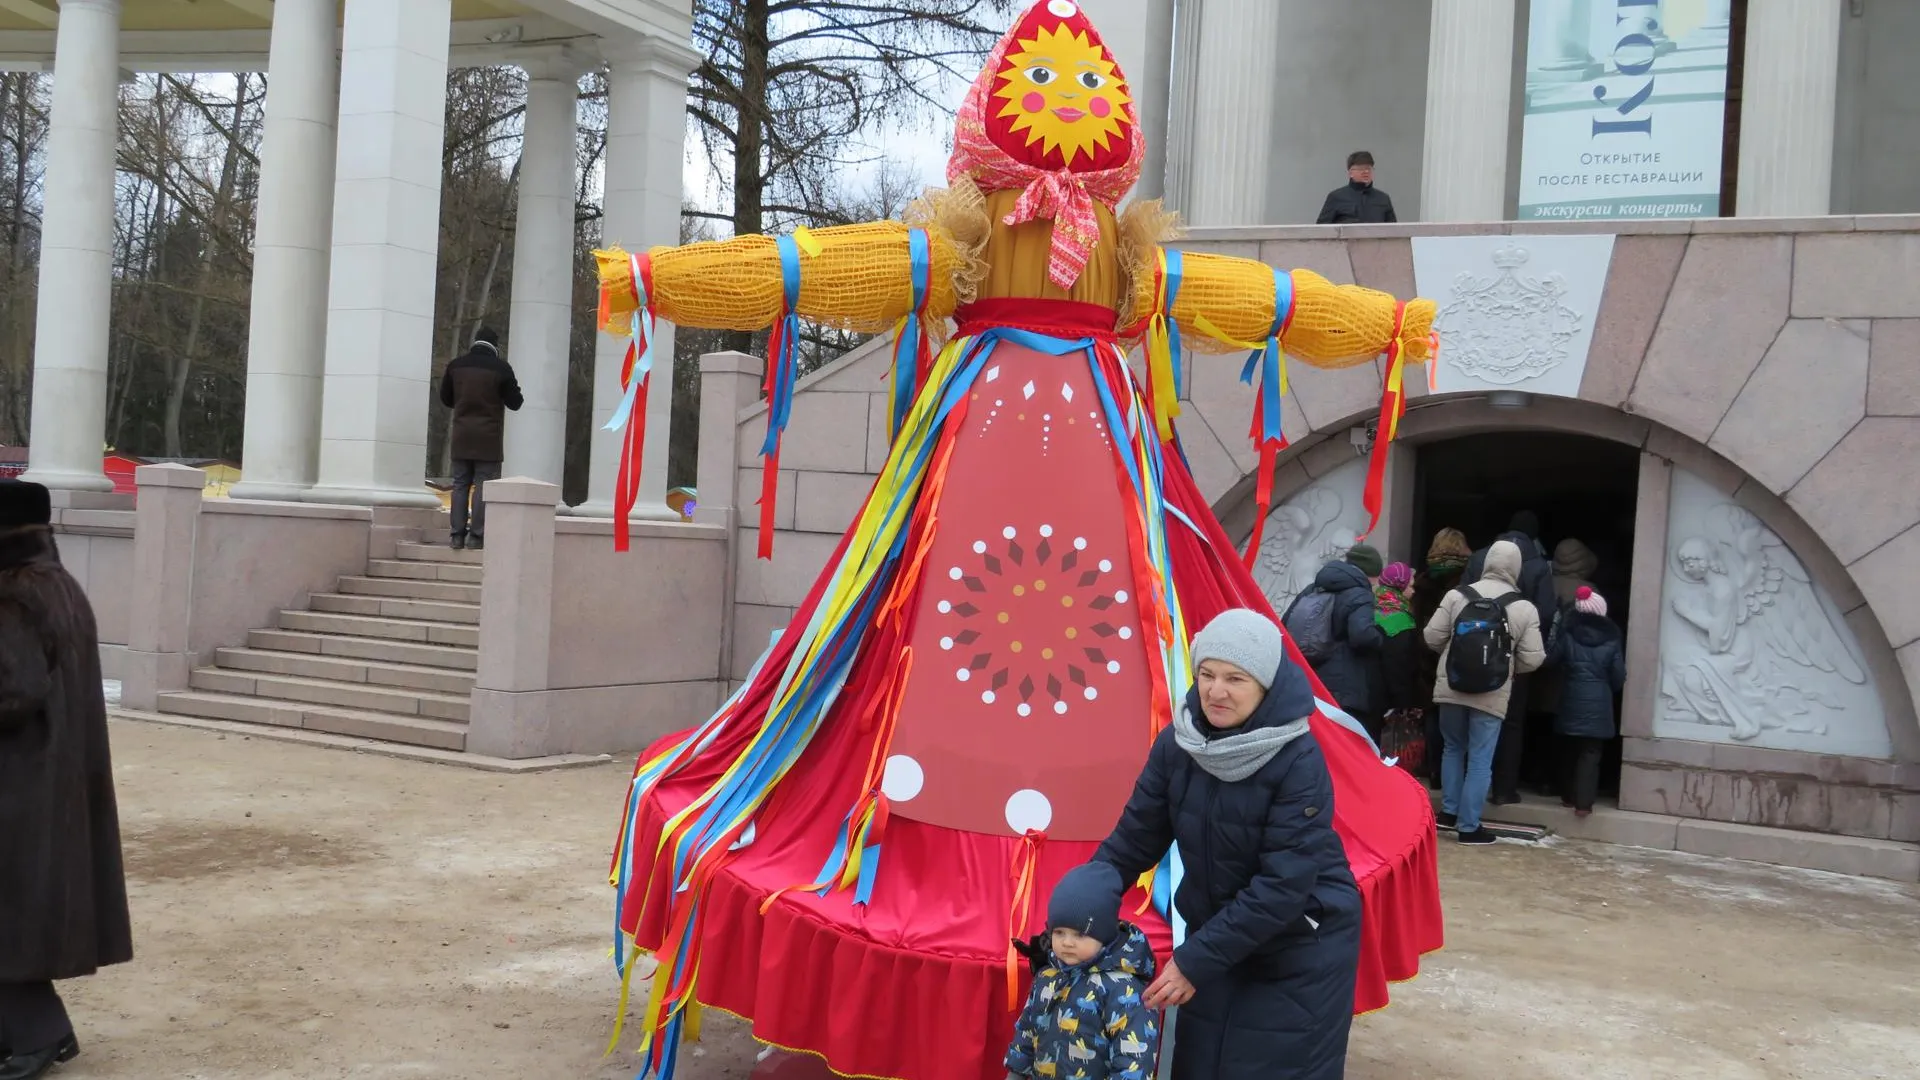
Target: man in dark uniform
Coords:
[(1359, 202)]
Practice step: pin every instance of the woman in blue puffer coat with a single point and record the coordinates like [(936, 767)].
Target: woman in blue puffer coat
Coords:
[(1264, 980), (1590, 652)]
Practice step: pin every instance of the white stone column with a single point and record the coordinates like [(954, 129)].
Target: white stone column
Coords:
[(542, 314), (69, 411), (386, 237), (1787, 109), (1181, 84), (287, 328), (1463, 175), (1235, 92), (646, 149)]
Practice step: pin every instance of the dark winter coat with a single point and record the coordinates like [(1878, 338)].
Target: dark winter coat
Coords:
[(63, 897), (1356, 635), (1536, 576), (479, 387), (1091, 1021), (1429, 589), (1396, 673), (1271, 909), (1355, 203), (1591, 656)]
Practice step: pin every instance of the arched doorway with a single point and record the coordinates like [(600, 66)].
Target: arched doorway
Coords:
[(1779, 755), (1582, 491)]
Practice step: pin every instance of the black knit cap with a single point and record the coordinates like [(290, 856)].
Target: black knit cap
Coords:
[(1088, 900), (24, 503)]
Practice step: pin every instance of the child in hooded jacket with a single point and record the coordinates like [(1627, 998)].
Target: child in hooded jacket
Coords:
[(1085, 1018), (1590, 651)]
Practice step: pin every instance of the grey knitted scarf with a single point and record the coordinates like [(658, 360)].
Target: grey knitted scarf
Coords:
[(1234, 757)]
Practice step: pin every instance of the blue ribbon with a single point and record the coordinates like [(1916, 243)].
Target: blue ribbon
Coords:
[(1175, 270), (1268, 359), (643, 319), (906, 348), (787, 362)]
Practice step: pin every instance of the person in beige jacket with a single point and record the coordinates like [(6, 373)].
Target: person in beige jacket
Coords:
[(1470, 721)]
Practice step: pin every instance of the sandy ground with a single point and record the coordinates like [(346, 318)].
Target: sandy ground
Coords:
[(306, 913)]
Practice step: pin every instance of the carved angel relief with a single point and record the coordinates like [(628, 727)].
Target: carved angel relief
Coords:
[(1759, 651), (1316, 525)]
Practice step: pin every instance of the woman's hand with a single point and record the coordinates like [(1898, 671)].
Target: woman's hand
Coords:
[(1169, 989)]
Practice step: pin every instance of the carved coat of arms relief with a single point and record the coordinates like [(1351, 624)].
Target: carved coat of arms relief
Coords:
[(1510, 326)]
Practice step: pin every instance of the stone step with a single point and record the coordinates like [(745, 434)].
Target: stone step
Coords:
[(410, 730), (331, 692), (430, 633), (411, 589), (455, 657), (346, 669), (393, 608), (440, 553), (423, 570)]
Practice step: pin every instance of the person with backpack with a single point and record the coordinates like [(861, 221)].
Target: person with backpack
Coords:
[(1333, 625), (1535, 582), (1486, 633)]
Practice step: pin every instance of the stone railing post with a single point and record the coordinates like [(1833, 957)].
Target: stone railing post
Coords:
[(166, 525), (509, 704), (729, 382)]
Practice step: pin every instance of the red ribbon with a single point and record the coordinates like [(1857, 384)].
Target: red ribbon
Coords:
[(1026, 860), (626, 485), (1393, 403)]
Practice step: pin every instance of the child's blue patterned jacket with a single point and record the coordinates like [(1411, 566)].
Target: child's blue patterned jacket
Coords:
[(1088, 1022)]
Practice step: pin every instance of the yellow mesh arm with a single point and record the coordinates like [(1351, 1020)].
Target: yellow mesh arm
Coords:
[(1226, 304), (854, 277)]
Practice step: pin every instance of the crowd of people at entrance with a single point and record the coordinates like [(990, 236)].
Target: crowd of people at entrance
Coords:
[(1457, 666)]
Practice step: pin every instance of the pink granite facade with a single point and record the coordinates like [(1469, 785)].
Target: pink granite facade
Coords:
[(1778, 359)]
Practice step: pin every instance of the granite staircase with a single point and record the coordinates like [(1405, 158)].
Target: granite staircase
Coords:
[(390, 655)]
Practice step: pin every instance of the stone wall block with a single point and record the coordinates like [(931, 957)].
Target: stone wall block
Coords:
[(1807, 393), (1700, 355), (1638, 282), (1328, 258), (1893, 382), (1386, 265), (1856, 275), (1866, 491)]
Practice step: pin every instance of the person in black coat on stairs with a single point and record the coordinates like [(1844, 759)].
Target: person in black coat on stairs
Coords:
[(1591, 653), (1263, 984), (63, 896)]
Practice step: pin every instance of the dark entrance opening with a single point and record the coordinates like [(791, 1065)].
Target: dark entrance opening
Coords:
[(1581, 488)]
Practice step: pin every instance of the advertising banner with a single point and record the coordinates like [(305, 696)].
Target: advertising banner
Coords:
[(1625, 109)]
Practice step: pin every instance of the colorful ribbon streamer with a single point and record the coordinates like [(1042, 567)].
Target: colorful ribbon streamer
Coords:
[(1164, 374), (911, 347), (631, 412), (1266, 428), (783, 371), (1393, 405)]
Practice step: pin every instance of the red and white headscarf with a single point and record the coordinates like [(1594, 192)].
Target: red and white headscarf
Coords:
[(1051, 187)]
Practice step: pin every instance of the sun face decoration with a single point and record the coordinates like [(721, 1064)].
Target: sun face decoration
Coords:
[(1061, 101)]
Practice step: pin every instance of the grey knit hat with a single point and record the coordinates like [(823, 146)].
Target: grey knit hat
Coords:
[(1246, 639)]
